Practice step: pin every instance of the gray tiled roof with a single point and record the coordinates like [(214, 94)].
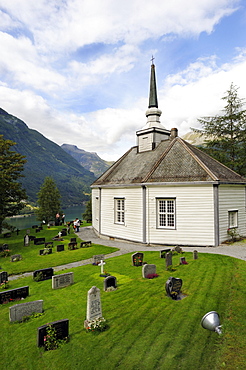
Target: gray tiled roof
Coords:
[(172, 161)]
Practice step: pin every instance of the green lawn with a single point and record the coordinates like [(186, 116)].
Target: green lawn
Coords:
[(147, 329), (31, 260)]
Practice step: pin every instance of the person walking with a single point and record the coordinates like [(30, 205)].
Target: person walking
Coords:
[(77, 224)]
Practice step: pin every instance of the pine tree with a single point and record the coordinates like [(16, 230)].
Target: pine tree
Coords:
[(12, 195), (226, 134), (48, 201), (87, 215)]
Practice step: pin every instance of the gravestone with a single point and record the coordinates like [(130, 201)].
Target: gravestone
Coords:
[(45, 251), (183, 261), (62, 280), (195, 255), (32, 238), (97, 259), (14, 294), (64, 232), (110, 282), (26, 240), (34, 226), (178, 249), (61, 327), (94, 308), (38, 241), (148, 269), (7, 235), (15, 258), (44, 274), (163, 253), (101, 264), (48, 244), (3, 277), (17, 311), (137, 259), (173, 287), (60, 248), (85, 244), (72, 246), (73, 240), (169, 260)]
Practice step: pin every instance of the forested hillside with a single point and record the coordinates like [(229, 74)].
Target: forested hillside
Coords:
[(45, 158)]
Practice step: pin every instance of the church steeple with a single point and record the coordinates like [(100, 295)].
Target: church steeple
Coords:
[(153, 132), (153, 101)]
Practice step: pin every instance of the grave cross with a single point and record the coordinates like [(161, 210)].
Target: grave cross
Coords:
[(101, 264)]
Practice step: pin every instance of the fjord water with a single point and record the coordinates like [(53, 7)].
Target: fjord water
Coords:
[(26, 222)]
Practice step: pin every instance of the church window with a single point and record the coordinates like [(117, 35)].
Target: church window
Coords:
[(166, 213), (119, 210), (233, 219)]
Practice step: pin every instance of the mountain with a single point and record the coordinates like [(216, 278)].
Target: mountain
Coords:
[(45, 158), (194, 138), (90, 161)]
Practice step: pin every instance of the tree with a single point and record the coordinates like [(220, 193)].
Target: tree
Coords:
[(87, 215), (48, 201), (226, 134), (12, 195)]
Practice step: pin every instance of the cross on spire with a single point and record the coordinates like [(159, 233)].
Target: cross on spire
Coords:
[(152, 59)]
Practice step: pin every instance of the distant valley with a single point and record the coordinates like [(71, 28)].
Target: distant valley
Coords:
[(45, 158)]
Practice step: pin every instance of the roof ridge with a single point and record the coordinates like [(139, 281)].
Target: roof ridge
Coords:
[(156, 164), (115, 165), (207, 155), (186, 145)]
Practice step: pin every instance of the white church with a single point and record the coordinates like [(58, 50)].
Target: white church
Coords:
[(164, 191)]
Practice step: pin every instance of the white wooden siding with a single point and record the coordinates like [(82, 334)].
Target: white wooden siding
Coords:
[(194, 215), (95, 203), (132, 229), (231, 197)]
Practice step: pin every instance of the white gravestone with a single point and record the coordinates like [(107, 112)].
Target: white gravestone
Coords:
[(62, 280), (94, 308), (148, 269), (17, 311), (102, 264)]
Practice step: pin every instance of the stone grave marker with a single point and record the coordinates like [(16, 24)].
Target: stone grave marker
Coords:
[(3, 277), (94, 308), (163, 253), (34, 226), (15, 258), (26, 240), (101, 264), (85, 244), (178, 249), (195, 255), (17, 311), (62, 280), (61, 327), (72, 246), (137, 259), (148, 269), (97, 259), (73, 240), (38, 241), (173, 287), (32, 238), (45, 251), (109, 283), (14, 294), (183, 261), (169, 260), (44, 274), (60, 248)]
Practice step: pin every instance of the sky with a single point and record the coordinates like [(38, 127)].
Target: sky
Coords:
[(78, 71)]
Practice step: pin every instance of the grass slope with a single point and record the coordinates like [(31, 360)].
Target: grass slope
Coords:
[(147, 329)]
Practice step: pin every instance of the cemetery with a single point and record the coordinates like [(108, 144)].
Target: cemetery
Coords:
[(148, 326)]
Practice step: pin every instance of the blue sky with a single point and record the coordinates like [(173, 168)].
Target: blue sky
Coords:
[(78, 71)]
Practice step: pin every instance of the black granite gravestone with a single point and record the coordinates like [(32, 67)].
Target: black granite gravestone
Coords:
[(173, 287), (45, 251), (38, 241), (14, 294), (60, 248), (163, 253), (61, 327), (137, 259), (110, 281), (3, 277), (43, 274)]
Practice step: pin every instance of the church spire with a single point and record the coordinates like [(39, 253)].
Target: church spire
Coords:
[(153, 102)]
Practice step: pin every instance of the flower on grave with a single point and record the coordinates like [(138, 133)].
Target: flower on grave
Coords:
[(152, 276), (97, 325)]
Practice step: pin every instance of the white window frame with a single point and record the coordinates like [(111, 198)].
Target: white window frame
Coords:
[(232, 219), (119, 211), (166, 213)]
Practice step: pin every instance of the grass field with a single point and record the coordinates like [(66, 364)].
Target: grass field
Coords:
[(147, 329)]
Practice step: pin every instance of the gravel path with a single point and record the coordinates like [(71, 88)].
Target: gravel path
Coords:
[(237, 250)]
